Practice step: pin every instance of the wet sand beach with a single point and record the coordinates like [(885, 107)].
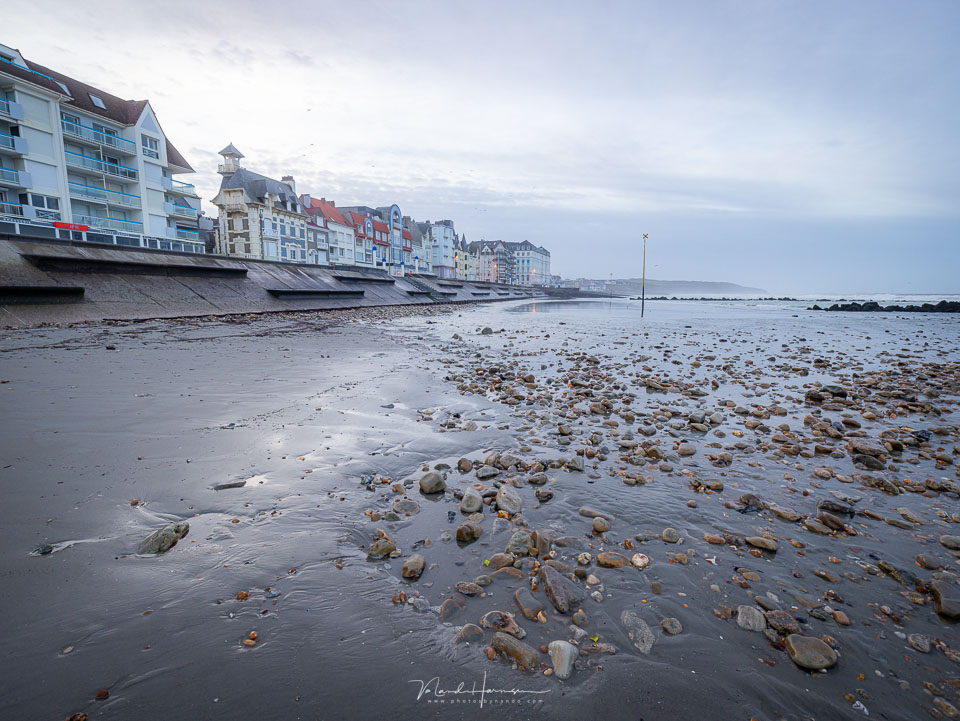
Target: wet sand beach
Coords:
[(691, 512)]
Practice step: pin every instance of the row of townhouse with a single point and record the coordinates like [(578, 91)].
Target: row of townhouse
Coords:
[(514, 263), (78, 163), (267, 219), (74, 158)]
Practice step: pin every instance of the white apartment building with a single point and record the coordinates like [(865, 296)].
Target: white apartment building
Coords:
[(443, 243), (263, 219), (532, 264), (78, 162)]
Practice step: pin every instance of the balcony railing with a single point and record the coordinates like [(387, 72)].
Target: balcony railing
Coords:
[(113, 197), (181, 188), (13, 142), (188, 235), (14, 177), (181, 211), (10, 109), (85, 132), (109, 223), (11, 209), (77, 160)]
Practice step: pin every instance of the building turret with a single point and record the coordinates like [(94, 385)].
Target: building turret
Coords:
[(231, 160)]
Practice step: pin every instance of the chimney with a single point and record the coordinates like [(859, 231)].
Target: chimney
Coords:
[(306, 200), (288, 179)]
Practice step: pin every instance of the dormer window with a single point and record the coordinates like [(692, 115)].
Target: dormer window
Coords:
[(95, 99)]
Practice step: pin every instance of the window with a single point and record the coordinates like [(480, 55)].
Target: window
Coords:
[(151, 148), (40, 201), (95, 99), (62, 87)]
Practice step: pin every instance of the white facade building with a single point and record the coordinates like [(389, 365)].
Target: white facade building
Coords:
[(443, 244), (77, 158), (532, 264)]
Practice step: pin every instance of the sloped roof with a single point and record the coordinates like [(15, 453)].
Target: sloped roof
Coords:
[(259, 186), (359, 222), (329, 211), (231, 150), (125, 112)]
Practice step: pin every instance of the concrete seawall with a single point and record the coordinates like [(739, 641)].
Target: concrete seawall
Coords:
[(66, 282)]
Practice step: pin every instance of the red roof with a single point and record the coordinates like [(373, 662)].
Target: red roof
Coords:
[(328, 210), (406, 235), (359, 222), (382, 227)]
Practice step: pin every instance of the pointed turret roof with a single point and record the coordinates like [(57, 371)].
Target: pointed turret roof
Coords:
[(231, 150)]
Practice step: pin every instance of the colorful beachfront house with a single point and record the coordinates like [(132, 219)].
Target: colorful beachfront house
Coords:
[(340, 232), (497, 261), (391, 250), (467, 263), (78, 163), (419, 248), (364, 233), (261, 218)]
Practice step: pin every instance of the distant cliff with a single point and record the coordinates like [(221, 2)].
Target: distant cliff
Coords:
[(631, 286)]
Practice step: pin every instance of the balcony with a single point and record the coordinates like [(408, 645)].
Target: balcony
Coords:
[(10, 109), (75, 160), (21, 211), (13, 145), (15, 178), (102, 195), (180, 188), (180, 211), (84, 133), (269, 232), (183, 234), (108, 223)]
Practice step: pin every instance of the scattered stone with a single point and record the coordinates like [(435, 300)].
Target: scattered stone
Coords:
[(163, 539), (563, 655), (782, 622), (610, 559), (555, 586), (945, 599), (509, 500), (521, 543), (525, 655), (600, 525), (432, 482), (472, 501), (468, 588), (767, 544), (383, 545), (529, 606), (468, 532), (671, 626), (810, 653), (501, 621), (413, 567), (469, 633), (638, 631), (750, 619)]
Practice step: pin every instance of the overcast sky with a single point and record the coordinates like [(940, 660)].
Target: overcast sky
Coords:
[(796, 146)]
